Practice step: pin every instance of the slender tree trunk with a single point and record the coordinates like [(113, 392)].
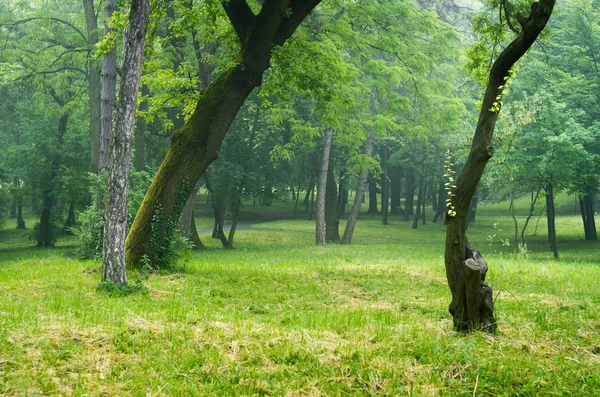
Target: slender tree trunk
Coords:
[(322, 188), (196, 145), (472, 303), (372, 196), (423, 217), (218, 205), (531, 212), (108, 96), (194, 238), (419, 202), (589, 214), (441, 203), (20, 220), (395, 191), (45, 236), (115, 215), (410, 194), (139, 160), (385, 187), (360, 194), (312, 204), (332, 215), (70, 221), (297, 200), (94, 86), (551, 214)]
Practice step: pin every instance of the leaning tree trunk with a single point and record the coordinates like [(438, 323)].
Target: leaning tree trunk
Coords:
[(109, 84), (332, 214), (115, 214), (196, 145), (322, 188), (469, 295), (94, 86), (360, 193)]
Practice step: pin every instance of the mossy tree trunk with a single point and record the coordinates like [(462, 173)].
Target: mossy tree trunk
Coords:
[(115, 214), (196, 145), (470, 307)]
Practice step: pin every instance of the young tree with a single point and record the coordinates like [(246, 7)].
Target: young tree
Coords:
[(472, 305)]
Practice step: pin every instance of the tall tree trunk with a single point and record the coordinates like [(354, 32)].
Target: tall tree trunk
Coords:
[(472, 303), (385, 187), (139, 159), (395, 191), (423, 206), (94, 86), (360, 193), (70, 221), (196, 145), (342, 195), (332, 214), (419, 202), (108, 96), (20, 220), (45, 235), (410, 194), (589, 214), (322, 188), (551, 214), (372, 196), (115, 215)]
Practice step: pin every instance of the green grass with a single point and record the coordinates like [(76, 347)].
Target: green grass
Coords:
[(279, 316)]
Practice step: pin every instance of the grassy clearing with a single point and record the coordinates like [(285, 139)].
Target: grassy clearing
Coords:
[(279, 316)]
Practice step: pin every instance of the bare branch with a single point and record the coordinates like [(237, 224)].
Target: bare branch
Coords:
[(241, 17)]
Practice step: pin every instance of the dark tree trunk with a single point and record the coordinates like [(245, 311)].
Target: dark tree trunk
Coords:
[(194, 238), (420, 197), (109, 85), (45, 235), (385, 187), (20, 220), (309, 190), (410, 194), (139, 160), (423, 217), (321, 190), (332, 214), (342, 195), (551, 214), (218, 205), (472, 212), (115, 215), (70, 221), (372, 196), (395, 192), (469, 307), (441, 203), (197, 143), (297, 200), (589, 214), (360, 194), (94, 86)]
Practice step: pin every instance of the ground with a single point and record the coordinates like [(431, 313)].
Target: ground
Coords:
[(280, 316)]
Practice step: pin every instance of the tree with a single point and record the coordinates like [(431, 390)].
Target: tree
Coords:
[(115, 215), (197, 143), (472, 305)]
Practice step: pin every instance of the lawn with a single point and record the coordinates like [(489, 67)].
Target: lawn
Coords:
[(280, 316)]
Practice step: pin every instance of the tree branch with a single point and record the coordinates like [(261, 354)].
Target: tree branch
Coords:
[(299, 11), (241, 17)]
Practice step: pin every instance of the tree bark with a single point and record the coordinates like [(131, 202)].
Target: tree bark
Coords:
[(360, 194), (332, 214), (322, 188), (139, 160), (589, 214), (551, 215), (108, 96), (115, 214), (197, 143), (420, 202), (372, 196), (395, 191), (194, 238), (94, 86), (481, 151), (385, 187), (410, 194), (45, 235)]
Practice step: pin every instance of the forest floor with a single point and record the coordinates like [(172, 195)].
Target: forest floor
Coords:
[(280, 316)]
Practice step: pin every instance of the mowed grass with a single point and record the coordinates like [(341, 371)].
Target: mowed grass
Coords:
[(279, 316)]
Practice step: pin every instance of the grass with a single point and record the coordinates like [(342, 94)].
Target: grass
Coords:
[(279, 316)]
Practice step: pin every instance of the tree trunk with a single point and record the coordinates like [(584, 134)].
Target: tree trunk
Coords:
[(139, 159), (589, 214), (441, 203), (395, 186), (70, 221), (410, 194), (420, 197), (322, 187), (551, 214), (194, 238), (185, 222), (109, 84), (197, 143), (372, 196), (218, 205), (115, 215), (472, 212), (423, 206), (94, 86), (45, 235), (360, 194), (385, 187), (20, 220), (297, 200), (332, 214), (468, 312)]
